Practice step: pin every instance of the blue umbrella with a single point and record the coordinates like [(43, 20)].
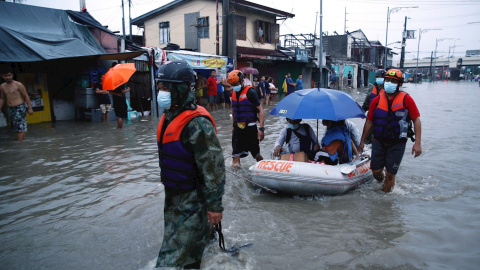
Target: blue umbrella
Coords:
[(318, 103)]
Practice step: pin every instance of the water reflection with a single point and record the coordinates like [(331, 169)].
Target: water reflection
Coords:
[(83, 195)]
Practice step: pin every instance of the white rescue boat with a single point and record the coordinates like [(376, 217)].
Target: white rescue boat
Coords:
[(304, 178)]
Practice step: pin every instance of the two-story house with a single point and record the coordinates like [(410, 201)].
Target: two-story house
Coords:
[(244, 31)]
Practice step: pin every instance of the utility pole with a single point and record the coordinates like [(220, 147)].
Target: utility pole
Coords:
[(420, 31), (122, 46), (123, 19), (130, 18), (345, 22), (435, 57), (404, 38), (82, 4), (431, 72), (225, 26), (320, 57), (217, 40)]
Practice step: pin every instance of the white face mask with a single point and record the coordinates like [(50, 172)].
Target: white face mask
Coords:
[(379, 80), (390, 87), (164, 99), (237, 88)]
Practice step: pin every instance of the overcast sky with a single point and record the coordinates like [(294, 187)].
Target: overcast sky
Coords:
[(459, 20)]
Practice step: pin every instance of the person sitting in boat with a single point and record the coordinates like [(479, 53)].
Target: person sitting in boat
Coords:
[(337, 145), (353, 130), (297, 138)]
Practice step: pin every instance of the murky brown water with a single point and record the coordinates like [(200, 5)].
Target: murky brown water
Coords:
[(80, 195)]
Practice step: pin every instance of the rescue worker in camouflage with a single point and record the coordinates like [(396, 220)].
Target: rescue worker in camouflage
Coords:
[(192, 169)]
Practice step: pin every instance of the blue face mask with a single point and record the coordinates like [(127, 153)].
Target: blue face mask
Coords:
[(293, 126), (390, 87), (237, 88), (379, 80), (164, 99)]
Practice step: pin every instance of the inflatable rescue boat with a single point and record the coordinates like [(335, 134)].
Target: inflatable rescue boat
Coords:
[(305, 178)]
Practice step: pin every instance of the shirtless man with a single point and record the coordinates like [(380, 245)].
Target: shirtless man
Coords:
[(15, 95)]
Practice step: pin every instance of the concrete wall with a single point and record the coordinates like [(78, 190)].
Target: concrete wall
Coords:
[(177, 25), (206, 9), (252, 31)]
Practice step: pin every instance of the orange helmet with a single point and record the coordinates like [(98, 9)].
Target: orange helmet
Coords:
[(394, 74), (235, 76)]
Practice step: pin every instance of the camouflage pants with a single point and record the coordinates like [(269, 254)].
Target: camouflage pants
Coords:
[(17, 116), (186, 232)]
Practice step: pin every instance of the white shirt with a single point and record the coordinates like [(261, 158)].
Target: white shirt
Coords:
[(272, 88), (294, 144)]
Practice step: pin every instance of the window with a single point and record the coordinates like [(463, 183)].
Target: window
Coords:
[(203, 27), (164, 33), (241, 28), (267, 32)]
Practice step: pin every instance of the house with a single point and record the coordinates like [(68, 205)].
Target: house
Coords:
[(355, 53), (247, 32), (50, 49)]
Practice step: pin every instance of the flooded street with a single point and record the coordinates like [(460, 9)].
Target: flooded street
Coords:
[(79, 195)]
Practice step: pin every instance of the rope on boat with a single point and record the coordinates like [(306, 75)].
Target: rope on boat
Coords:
[(248, 180)]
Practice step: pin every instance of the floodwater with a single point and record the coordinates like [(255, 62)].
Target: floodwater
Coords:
[(78, 195)]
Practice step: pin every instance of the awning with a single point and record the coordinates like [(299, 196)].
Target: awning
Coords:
[(246, 52), (121, 56), (30, 34)]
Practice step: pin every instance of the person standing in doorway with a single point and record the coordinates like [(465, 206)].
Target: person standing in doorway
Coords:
[(192, 170), (246, 111), (18, 103), (212, 91), (349, 79), (299, 82), (389, 116)]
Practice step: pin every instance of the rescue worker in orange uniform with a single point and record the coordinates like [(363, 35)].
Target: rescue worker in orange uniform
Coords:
[(246, 111), (388, 116), (192, 169), (376, 88)]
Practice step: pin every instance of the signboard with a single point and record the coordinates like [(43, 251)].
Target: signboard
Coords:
[(200, 61), (411, 34), (301, 55)]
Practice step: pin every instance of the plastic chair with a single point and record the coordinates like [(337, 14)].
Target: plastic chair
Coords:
[(131, 112)]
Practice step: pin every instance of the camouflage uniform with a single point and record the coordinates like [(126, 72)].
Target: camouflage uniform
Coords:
[(187, 231)]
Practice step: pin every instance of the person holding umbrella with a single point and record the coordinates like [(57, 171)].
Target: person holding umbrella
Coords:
[(115, 79), (389, 115), (192, 169), (120, 104)]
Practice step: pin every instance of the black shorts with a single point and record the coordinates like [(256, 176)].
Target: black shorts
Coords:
[(388, 155), (120, 108), (244, 141)]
